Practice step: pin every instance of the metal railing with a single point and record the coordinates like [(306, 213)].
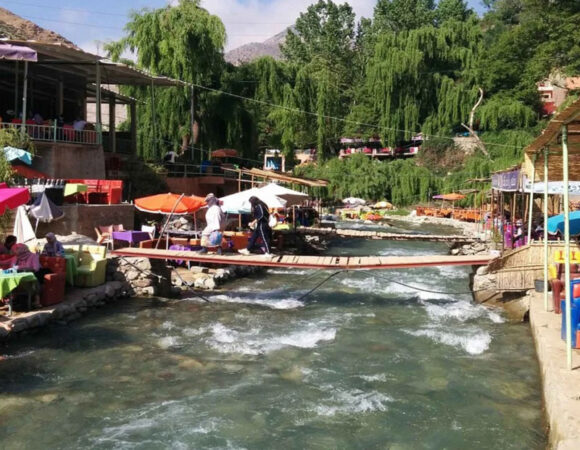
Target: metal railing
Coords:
[(184, 170), (52, 133)]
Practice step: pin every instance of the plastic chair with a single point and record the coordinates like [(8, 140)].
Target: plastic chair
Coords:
[(54, 283), (149, 229), (104, 236), (92, 269)]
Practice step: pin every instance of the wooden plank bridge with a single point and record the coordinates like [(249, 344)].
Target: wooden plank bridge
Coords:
[(309, 262), (366, 234)]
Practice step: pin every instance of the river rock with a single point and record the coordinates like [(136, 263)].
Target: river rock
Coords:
[(483, 270), (210, 283)]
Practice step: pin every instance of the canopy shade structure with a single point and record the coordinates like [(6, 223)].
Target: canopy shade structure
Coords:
[(11, 198), (44, 210), (353, 201), (10, 52), (13, 154), (554, 187), (556, 223), (224, 153), (449, 197), (240, 203), (169, 203), (84, 63), (291, 196)]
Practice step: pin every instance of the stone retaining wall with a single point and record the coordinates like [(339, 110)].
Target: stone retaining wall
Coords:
[(76, 303)]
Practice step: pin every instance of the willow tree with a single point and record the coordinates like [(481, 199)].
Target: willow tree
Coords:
[(321, 46), (422, 79), (184, 42)]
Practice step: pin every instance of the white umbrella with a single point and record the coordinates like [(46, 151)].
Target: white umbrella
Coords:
[(354, 201), (240, 203), (22, 227), (292, 197)]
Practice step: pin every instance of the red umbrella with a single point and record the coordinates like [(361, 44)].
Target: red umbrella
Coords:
[(169, 203), (27, 172), (224, 153), (11, 198)]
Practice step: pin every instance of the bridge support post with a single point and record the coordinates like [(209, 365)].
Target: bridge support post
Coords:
[(567, 245), (546, 153)]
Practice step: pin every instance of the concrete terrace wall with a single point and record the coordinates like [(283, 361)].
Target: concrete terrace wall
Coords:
[(64, 160), (83, 219)]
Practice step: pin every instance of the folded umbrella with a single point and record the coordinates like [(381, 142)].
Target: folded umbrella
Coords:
[(22, 227)]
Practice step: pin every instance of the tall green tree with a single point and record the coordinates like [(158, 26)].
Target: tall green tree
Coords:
[(402, 15), (321, 47), (183, 42)]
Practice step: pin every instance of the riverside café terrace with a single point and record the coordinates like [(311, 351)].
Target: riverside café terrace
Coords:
[(555, 155), (60, 83)]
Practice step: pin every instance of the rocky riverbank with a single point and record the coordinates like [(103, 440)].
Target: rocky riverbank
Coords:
[(75, 304)]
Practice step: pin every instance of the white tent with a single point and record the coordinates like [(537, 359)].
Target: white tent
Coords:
[(354, 201), (22, 227), (239, 203), (292, 197)]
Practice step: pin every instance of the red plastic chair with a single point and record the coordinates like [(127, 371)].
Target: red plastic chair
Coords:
[(54, 283)]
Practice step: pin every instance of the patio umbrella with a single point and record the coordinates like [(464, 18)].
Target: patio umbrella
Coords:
[(240, 203), (169, 203), (383, 205), (12, 52), (27, 172), (354, 201), (224, 153), (13, 154), (556, 223), (44, 210), (450, 197), (292, 197), (22, 227), (11, 198)]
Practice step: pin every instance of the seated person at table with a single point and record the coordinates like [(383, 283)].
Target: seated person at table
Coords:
[(6, 248), (52, 246), (26, 261)]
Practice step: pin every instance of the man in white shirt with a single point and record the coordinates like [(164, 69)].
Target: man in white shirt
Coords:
[(215, 219)]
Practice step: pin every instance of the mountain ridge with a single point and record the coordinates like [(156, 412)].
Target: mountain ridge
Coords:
[(254, 50)]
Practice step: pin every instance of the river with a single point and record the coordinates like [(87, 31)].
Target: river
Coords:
[(363, 362)]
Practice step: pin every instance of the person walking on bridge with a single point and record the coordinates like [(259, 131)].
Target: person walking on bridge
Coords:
[(261, 227)]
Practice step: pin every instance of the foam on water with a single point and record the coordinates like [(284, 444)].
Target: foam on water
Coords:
[(378, 377), (353, 401), (473, 341), (273, 303), (257, 341), (461, 311)]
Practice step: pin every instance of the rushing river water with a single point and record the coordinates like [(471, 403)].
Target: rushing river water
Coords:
[(361, 363)]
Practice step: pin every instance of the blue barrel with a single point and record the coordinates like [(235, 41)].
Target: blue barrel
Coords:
[(574, 315)]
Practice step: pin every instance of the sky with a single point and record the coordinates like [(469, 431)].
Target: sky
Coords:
[(89, 24)]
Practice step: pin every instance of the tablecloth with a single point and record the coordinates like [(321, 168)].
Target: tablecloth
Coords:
[(131, 236), (74, 188), (9, 282)]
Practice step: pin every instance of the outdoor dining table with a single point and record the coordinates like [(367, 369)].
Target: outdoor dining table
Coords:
[(131, 236), (10, 281), (74, 188)]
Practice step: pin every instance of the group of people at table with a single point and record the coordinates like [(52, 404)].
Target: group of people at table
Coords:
[(17, 258)]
